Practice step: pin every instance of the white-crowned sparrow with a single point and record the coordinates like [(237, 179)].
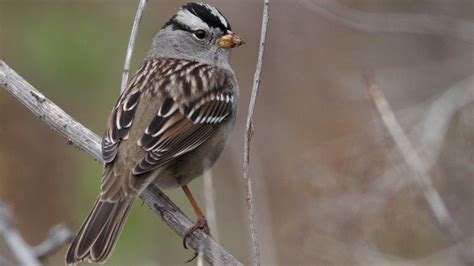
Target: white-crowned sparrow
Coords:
[(168, 126)]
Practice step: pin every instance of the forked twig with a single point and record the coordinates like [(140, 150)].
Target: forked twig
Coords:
[(249, 133), (24, 253), (418, 167)]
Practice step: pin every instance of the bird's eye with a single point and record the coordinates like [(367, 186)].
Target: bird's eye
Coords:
[(200, 34)]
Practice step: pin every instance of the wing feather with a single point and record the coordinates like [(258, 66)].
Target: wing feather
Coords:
[(194, 98), (180, 132)]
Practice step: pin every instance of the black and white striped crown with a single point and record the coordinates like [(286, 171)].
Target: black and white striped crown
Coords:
[(194, 16)]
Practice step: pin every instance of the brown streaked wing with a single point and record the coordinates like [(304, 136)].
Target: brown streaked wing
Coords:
[(176, 131)]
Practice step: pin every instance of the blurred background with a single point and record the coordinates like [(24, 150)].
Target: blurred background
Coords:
[(331, 186)]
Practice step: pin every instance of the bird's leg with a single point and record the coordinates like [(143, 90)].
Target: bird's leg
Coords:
[(201, 222)]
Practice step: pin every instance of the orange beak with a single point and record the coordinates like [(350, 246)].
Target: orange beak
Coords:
[(230, 40)]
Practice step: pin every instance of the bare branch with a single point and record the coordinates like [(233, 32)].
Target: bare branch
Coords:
[(395, 23), (249, 133), (22, 251), (58, 236), (83, 138), (418, 167), (131, 43)]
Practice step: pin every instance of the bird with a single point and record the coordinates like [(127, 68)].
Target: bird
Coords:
[(169, 125)]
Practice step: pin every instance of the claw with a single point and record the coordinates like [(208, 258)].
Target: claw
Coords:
[(200, 224), (194, 256)]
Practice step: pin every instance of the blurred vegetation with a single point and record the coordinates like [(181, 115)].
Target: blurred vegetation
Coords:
[(331, 187)]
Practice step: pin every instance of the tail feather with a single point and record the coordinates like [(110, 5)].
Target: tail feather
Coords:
[(108, 238), (99, 233)]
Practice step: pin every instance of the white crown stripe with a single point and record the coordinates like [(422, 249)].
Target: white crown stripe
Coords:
[(187, 18)]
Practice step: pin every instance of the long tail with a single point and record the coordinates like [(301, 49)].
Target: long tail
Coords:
[(98, 235)]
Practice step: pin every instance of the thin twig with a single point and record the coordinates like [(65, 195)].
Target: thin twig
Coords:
[(417, 165), (86, 140), (395, 23), (249, 133), (131, 43)]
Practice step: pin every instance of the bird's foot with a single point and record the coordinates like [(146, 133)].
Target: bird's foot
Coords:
[(201, 223)]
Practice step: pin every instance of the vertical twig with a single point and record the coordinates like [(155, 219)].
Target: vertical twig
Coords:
[(249, 133), (416, 164), (131, 43), (210, 209)]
